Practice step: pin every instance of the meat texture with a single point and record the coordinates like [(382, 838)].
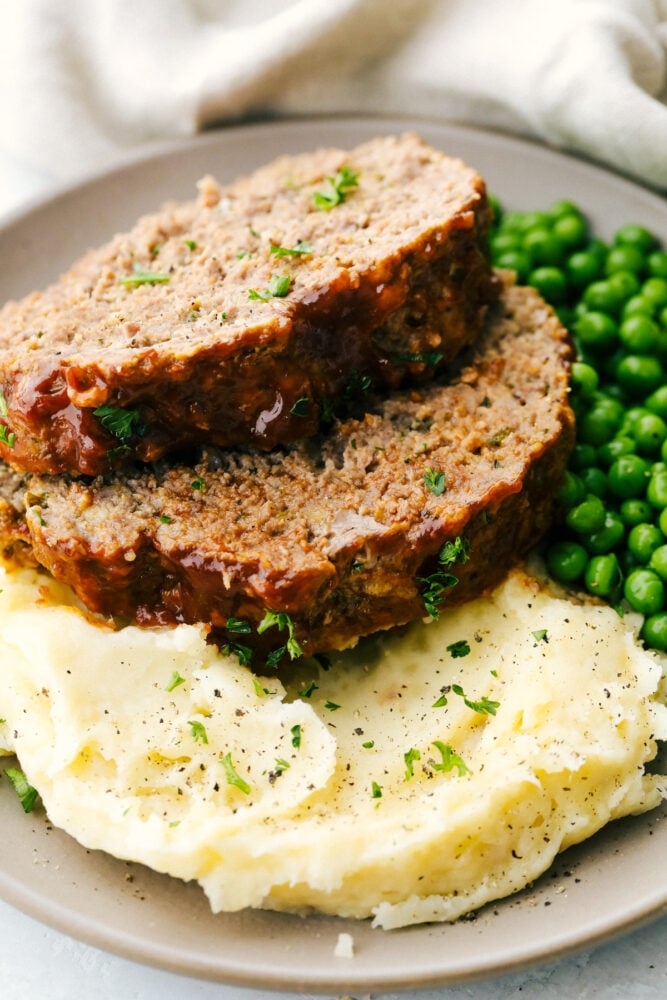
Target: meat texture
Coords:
[(242, 317), (423, 503)]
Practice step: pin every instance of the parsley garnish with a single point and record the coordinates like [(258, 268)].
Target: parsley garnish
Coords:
[(331, 706), (283, 621), (450, 760), (26, 793), (540, 635), (165, 519), (297, 251), (279, 286), (459, 648), (442, 700), (174, 681), (233, 778), (199, 483), (485, 706), (3, 405), (236, 625), (296, 736), (376, 790), (300, 408), (141, 277), (307, 691), (123, 424), (242, 653), (198, 731), (410, 757), (281, 765), (339, 186), (275, 656), (368, 745), (435, 481), (436, 585), (7, 436), (191, 244)]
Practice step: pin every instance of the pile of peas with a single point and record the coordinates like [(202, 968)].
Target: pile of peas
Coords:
[(612, 535)]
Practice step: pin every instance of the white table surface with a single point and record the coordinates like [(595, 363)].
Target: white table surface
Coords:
[(38, 963)]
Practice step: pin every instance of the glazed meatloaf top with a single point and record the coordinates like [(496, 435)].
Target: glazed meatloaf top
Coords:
[(367, 528), (240, 317)]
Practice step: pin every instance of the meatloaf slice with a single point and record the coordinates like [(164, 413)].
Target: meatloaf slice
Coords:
[(237, 318), (361, 530)]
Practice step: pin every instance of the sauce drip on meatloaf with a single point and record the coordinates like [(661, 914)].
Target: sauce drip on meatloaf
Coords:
[(245, 316), (344, 532)]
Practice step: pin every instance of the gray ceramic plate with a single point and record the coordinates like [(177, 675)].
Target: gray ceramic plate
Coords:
[(614, 882)]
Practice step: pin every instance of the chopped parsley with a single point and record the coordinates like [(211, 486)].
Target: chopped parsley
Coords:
[(450, 760), (331, 706), (283, 621), (3, 405), (484, 706), (236, 625), (368, 745), (376, 790), (233, 777), (410, 756), (337, 190), (540, 635), (174, 681), (141, 277), (165, 519), (241, 652), (296, 736), (198, 731), (281, 765), (435, 481), (123, 424), (459, 648), (307, 691), (279, 286), (199, 483), (6, 436), (435, 586), (301, 248), (27, 794), (191, 244), (442, 700), (275, 656), (300, 408)]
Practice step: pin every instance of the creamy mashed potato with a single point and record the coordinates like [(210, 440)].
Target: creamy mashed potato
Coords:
[(406, 782)]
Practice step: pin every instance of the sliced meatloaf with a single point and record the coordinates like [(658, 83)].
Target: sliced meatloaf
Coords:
[(239, 318), (346, 534)]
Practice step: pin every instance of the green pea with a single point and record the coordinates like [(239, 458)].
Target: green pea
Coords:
[(566, 561), (657, 402), (655, 291), (505, 241), (597, 426), (630, 418), (639, 334), (662, 521), (644, 591), (571, 229), (657, 263), (496, 207), (625, 285), (515, 260), (637, 236), (658, 561), (571, 491), (603, 576), (654, 631), (587, 517), (637, 305), (550, 283), (649, 432), (663, 451), (628, 476), (583, 267), (603, 296), (642, 541), (563, 207), (624, 258), (610, 535), (596, 331), (611, 450), (594, 481), (640, 374), (656, 491), (543, 246), (635, 511), (583, 456)]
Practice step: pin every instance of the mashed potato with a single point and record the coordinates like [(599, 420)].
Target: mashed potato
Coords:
[(421, 776)]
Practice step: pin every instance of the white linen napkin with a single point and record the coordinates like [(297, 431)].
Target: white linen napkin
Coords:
[(85, 81)]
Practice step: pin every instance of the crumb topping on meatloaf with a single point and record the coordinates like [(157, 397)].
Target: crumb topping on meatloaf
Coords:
[(238, 317), (343, 532)]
